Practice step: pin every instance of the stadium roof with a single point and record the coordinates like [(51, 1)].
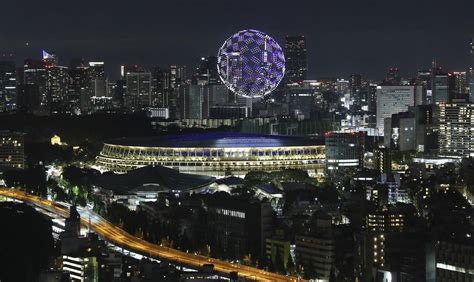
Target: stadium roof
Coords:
[(217, 140), (162, 177)]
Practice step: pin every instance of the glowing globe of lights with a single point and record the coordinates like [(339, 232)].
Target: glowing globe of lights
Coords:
[(251, 63)]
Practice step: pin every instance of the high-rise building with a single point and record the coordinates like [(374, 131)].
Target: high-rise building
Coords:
[(301, 100), (359, 91), (79, 87), (454, 258), (161, 86), (411, 130), (50, 58), (28, 99), (342, 86), (471, 71), (98, 80), (393, 76), (35, 74), (12, 150), (296, 59), (57, 83), (196, 101), (177, 76), (238, 228), (443, 87), (456, 128), (316, 252), (206, 71), (8, 83), (138, 93), (461, 85), (344, 149), (392, 99)]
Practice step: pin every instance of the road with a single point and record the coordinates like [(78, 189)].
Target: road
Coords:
[(119, 237)]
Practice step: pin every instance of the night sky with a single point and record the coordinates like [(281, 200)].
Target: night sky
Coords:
[(343, 37)]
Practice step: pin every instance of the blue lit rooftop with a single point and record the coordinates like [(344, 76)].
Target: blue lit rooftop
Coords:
[(217, 140)]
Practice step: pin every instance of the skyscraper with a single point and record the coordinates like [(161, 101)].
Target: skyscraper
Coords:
[(393, 99), (12, 152), (98, 81), (57, 83), (206, 71), (393, 76), (8, 91), (471, 71), (177, 75), (442, 87), (296, 59), (138, 93), (35, 74), (461, 85), (456, 128), (195, 101), (79, 87), (161, 86)]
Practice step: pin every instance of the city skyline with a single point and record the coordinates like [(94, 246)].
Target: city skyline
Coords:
[(361, 37)]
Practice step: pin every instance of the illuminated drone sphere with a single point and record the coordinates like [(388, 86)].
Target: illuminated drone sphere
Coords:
[(251, 63)]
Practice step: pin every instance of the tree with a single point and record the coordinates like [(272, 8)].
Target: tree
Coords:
[(26, 245)]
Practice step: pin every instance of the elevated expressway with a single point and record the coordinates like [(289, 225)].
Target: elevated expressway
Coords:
[(119, 237)]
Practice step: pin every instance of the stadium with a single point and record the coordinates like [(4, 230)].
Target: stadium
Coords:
[(214, 154)]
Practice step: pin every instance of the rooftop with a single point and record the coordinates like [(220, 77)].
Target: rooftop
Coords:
[(216, 140), (160, 176)]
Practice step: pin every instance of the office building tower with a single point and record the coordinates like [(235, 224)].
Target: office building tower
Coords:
[(471, 71), (28, 99), (206, 72), (161, 86), (391, 218), (98, 80), (195, 101), (393, 99), (456, 128), (393, 76), (118, 90), (12, 151), (79, 86), (355, 83), (442, 86), (301, 100), (35, 74), (138, 93), (238, 228), (8, 84), (57, 83), (413, 130), (454, 257), (342, 86), (278, 249), (359, 92), (316, 252), (372, 99), (461, 84), (50, 58), (344, 149), (177, 76), (296, 59)]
